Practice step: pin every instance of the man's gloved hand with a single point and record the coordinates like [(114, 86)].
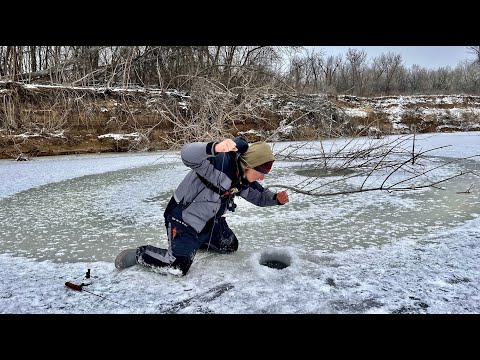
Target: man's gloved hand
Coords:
[(225, 146), (282, 197), (242, 144)]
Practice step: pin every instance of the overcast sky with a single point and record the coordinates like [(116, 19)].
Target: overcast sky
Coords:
[(425, 56)]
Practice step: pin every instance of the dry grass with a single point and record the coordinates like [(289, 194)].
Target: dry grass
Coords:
[(166, 120)]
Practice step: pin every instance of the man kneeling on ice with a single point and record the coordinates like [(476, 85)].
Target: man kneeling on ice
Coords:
[(194, 216)]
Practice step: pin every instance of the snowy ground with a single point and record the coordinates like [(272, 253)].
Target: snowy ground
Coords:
[(388, 253)]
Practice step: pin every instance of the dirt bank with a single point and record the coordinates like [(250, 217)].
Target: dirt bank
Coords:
[(40, 120)]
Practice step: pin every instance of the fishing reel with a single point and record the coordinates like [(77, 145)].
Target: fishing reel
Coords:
[(230, 197), (231, 204), (86, 279)]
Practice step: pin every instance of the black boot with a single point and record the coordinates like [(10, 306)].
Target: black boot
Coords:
[(182, 263), (152, 256)]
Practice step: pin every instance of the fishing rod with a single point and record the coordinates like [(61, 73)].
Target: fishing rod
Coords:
[(87, 281)]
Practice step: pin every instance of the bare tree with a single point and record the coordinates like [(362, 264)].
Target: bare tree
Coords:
[(174, 66), (468, 78), (417, 79), (356, 60), (296, 74), (329, 68), (475, 50), (441, 80), (385, 66), (363, 164)]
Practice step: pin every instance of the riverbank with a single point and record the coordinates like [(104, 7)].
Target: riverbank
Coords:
[(42, 120)]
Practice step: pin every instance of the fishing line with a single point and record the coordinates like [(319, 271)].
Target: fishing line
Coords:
[(219, 203)]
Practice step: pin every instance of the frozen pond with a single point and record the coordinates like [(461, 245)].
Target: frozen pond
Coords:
[(90, 217), (371, 252)]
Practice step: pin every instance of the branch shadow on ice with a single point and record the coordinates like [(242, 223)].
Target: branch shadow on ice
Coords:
[(198, 300)]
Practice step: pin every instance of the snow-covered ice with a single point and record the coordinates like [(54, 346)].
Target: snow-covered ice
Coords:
[(374, 252)]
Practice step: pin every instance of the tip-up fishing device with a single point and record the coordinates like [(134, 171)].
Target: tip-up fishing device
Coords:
[(85, 282)]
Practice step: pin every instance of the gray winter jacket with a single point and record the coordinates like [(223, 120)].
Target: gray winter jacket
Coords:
[(221, 169)]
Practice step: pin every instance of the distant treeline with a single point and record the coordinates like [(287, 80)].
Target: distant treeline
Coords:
[(286, 68)]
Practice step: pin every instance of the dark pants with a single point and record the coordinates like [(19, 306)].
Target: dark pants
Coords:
[(184, 241)]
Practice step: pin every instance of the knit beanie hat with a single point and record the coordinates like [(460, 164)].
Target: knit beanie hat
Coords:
[(259, 156)]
